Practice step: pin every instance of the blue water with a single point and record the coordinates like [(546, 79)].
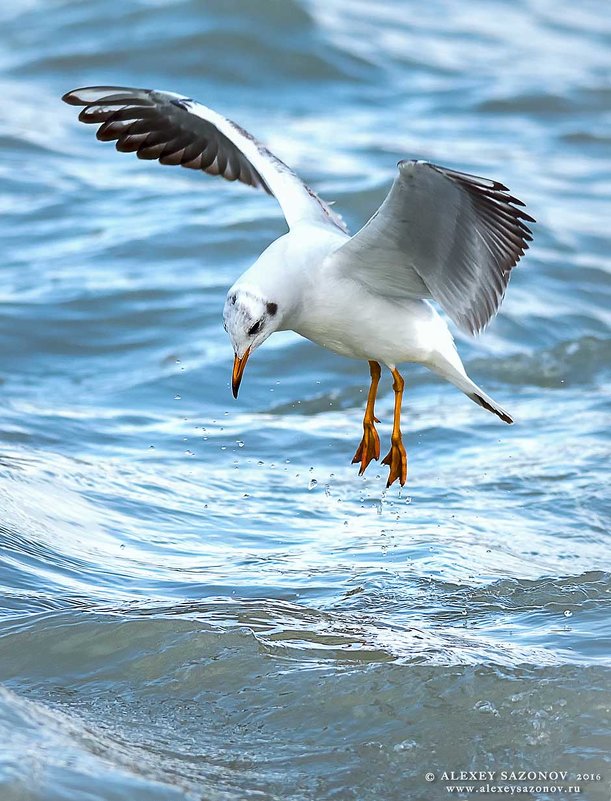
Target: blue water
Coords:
[(200, 598)]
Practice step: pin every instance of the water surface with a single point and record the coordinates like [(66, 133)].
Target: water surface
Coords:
[(200, 598)]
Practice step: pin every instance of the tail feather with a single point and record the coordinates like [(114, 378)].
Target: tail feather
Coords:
[(461, 380), (486, 401)]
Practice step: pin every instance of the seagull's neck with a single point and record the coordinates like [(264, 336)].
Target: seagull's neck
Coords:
[(288, 266)]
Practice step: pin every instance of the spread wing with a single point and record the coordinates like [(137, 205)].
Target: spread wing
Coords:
[(177, 130), (444, 235)]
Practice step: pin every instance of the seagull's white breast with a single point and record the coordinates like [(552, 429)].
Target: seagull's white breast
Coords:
[(344, 316)]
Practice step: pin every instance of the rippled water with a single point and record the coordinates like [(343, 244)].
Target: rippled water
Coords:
[(200, 599)]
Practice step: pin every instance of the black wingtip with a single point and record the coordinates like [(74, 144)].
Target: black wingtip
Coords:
[(71, 99), (110, 95), (494, 409)]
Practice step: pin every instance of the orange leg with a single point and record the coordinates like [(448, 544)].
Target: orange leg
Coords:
[(396, 458), (370, 444)]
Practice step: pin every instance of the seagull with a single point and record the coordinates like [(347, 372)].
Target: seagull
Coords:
[(439, 235)]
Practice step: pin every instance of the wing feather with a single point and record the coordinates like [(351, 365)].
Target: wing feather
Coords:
[(445, 235), (178, 130)]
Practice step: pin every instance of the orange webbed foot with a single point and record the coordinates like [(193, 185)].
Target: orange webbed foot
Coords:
[(369, 448), (396, 459)]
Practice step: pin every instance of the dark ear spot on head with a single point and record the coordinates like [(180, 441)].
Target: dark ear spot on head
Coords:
[(272, 308), (234, 297)]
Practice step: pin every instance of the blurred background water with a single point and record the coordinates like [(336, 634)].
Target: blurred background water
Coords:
[(200, 599)]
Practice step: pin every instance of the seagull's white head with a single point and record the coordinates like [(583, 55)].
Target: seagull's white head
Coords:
[(249, 319)]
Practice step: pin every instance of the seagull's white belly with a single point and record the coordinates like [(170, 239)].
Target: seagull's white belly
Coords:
[(360, 325)]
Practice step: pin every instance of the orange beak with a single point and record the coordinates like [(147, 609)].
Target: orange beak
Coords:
[(239, 364)]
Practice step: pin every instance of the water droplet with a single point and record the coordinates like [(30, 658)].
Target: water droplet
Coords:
[(177, 361), (177, 397), (568, 613), (239, 443), (151, 447), (189, 453), (313, 483)]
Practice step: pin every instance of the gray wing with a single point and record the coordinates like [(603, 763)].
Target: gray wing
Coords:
[(178, 130), (444, 235)]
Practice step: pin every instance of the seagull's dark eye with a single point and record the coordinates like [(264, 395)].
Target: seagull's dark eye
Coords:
[(255, 328)]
